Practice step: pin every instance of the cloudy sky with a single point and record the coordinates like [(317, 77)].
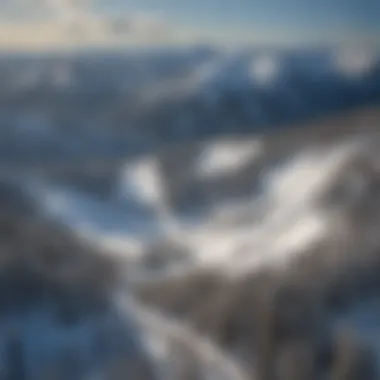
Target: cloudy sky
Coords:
[(225, 21)]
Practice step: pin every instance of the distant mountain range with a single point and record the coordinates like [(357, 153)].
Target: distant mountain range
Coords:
[(102, 103)]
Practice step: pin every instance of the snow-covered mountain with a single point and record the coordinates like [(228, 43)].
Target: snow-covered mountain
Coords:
[(227, 181), (72, 104), (293, 227)]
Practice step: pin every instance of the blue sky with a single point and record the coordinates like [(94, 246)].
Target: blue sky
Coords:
[(303, 20), (227, 21)]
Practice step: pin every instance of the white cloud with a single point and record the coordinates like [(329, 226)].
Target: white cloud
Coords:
[(141, 25), (74, 20), (26, 9)]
